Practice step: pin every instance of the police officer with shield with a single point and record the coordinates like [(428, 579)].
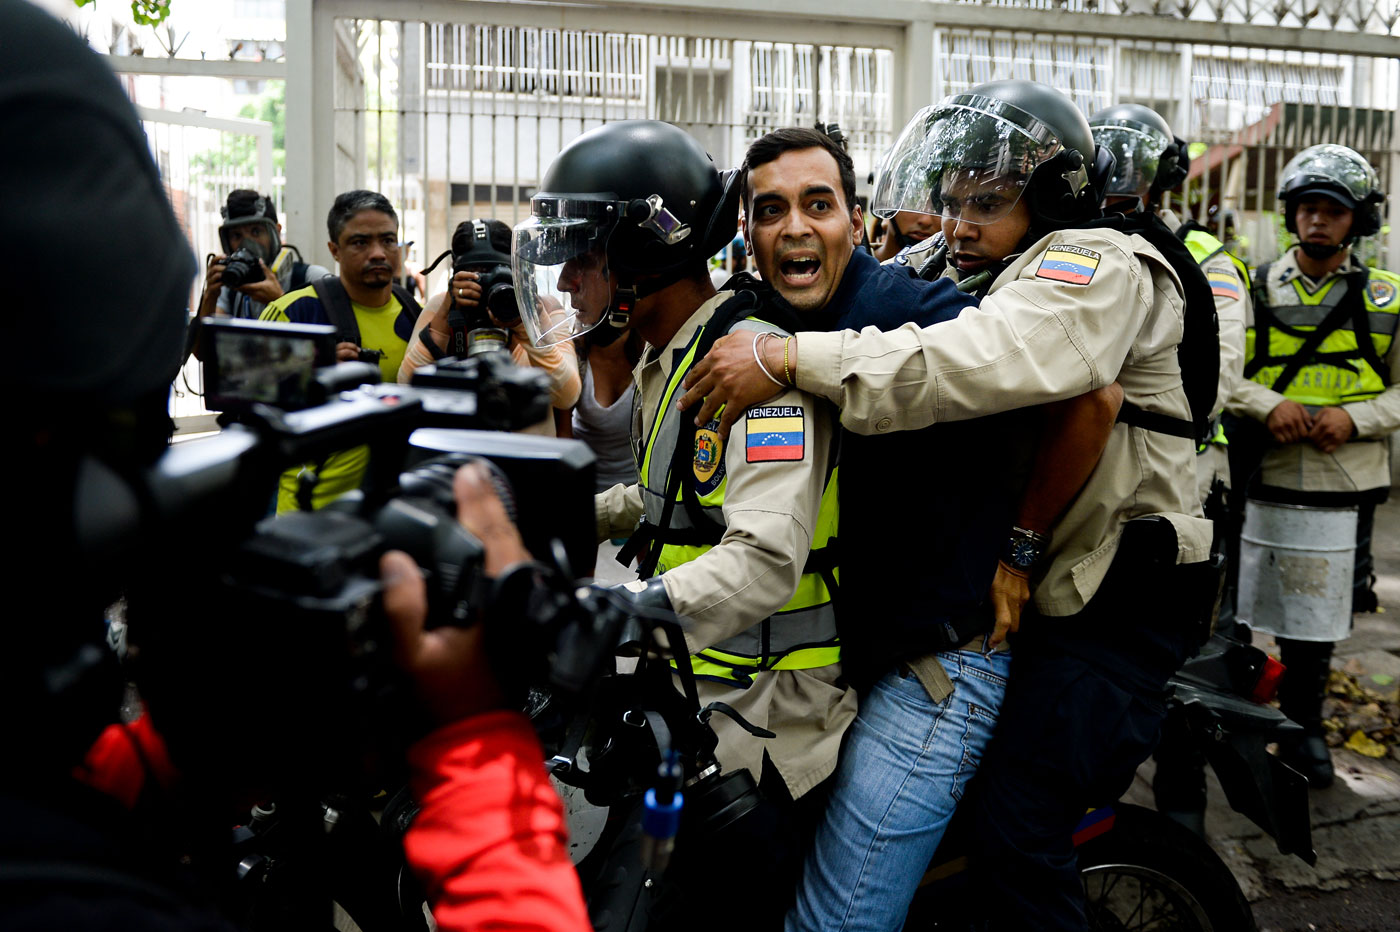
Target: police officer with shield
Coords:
[(1311, 420)]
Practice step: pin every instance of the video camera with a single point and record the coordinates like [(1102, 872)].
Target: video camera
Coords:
[(288, 608), (473, 331)]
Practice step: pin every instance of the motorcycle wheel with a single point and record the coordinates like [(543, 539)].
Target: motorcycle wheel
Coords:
[(1151, 873)]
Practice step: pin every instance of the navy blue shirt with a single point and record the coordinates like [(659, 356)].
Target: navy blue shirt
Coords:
[(924, 513)]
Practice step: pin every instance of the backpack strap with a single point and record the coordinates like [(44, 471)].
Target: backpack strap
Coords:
[(298, 280), (336, 303)]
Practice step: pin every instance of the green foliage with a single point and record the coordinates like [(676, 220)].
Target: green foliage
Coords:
[(143, 12), (240, 156)]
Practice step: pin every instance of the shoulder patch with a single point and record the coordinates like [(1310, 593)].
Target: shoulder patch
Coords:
[(1074, 265), (1380, 292), (1224, 283), (775, 433), (709, 458)]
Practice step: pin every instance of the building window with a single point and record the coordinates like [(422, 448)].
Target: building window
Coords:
[(519, 60)]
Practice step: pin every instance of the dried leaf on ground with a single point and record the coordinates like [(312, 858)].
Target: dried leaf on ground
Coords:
[(1363, 745)]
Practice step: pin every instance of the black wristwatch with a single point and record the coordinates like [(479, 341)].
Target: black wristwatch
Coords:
[(1024, 549)]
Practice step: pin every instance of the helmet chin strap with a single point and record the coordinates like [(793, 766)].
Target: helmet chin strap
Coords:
[(1323, 250), (619, 316)]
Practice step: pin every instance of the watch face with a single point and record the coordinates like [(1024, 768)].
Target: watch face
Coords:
[(1023, 554)]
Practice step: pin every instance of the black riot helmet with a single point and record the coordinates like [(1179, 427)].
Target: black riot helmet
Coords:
[(1339, 173), (636, 204), (973, 156), (1147, 154)]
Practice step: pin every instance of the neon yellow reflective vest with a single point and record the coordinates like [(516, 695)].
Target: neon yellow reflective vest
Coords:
[(1344, 367), (799, 636), (1204, 247)]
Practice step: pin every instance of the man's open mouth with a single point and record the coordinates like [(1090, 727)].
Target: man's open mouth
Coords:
[(967, 262), (800, 271)]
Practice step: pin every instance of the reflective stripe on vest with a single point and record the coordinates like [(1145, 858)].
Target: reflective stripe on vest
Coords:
[(800, 635), (1204, 247), (1344, 377)]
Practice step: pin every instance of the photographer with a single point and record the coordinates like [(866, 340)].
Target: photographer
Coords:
[(263, 267), (491, 322), (372, 314), (488, 844)]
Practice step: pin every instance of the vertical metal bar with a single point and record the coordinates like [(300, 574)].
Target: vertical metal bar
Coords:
[(379, 105), (493, 92), (399, 129), (519, 45)]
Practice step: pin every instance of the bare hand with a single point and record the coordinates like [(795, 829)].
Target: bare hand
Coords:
[(1289, 422), (213, 284), (1010, 593), (465, 289), (729, 376), (449, 665), (346, 352), (267, 290), (1331, 428), (481, 511)]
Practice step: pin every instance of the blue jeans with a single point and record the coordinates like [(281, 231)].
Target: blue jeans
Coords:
[(904, 766)]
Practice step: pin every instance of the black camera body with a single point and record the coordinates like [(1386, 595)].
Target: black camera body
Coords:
[(242, 267), (284, 614), (473, 251)]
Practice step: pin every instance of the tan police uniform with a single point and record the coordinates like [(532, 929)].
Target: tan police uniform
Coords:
[(770, 513), (1357, 465), (1076, 311), (1231, 309)]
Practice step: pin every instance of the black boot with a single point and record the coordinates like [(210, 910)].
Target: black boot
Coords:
[(1300, 697)]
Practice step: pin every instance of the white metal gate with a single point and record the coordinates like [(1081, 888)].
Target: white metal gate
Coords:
[(201, 159)]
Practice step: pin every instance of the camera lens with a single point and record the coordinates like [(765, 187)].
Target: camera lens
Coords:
[(501, 301)]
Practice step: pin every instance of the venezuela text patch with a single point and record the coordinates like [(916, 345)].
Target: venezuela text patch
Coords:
[(774, 433), (1072, 264)]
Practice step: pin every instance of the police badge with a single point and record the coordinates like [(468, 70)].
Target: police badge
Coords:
[(709, 458)]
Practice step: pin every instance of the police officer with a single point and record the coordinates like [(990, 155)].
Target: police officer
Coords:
[(1113, 587), (1151, 160), (1318, 397), (619, 235)]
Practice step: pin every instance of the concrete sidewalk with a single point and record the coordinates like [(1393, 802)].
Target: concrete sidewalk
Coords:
[(1356, 822)]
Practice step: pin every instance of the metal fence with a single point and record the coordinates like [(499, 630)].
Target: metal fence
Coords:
[(457, 120), (201, 159), (1247, 110)]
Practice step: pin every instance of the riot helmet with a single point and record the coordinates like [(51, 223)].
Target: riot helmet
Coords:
[(1149, 158), (1339, 173), (244, 208), (625, 210), (975, 155)]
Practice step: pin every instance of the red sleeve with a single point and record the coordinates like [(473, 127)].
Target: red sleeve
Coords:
[(124, 758), (490, 845)]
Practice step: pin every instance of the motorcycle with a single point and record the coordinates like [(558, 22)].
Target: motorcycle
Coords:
[(633, 759), (1142, 870)]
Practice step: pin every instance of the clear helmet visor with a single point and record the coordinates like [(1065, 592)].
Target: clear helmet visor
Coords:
[(1334, 166), (562, 285), (968, 158), (1138, 150)]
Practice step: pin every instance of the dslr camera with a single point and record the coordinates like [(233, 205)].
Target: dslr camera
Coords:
[(242, 268), (473, 331)]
